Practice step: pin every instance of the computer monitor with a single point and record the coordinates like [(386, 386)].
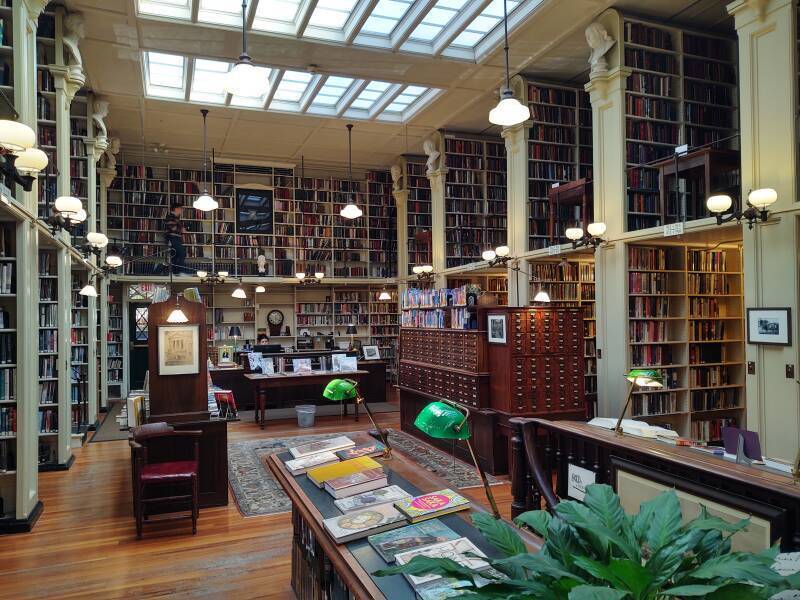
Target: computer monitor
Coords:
[(268, 348)]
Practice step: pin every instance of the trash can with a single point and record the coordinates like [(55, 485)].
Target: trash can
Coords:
[(305, 415)]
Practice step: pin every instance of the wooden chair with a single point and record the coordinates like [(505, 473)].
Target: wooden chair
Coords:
[(157, 482)]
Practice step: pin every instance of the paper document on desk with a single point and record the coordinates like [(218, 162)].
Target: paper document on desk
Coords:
[(634, 427)]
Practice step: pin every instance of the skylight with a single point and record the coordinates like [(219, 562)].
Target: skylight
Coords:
[(284, 90), (462, 29)]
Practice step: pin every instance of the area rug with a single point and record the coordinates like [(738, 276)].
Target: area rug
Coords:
[(109, 430), (258, 493)]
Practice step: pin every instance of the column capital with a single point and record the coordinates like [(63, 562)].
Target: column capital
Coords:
[(95, 148), (107, 176), (400, 198), (438, 175), (35, 7), (747, 11), (600, 85), (68, 79)]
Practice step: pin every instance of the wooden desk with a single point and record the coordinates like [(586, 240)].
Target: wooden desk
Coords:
[(762, 493), (261, 383), (321, 566)]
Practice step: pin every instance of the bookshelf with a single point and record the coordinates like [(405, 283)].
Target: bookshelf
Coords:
[(78, 160), (571, 283), (685, 317), (384, 327), (495, 283), (474, 197), (559, 150), (79, 366), (682, 90), (300, 226), (48, 358), (8, 367), (114, 344), (419, 212), (46, 107)]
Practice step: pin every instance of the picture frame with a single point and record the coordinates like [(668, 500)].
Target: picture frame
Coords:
[(179, 350), (769, 326), (371, 353), (496, 329), (225, 356)]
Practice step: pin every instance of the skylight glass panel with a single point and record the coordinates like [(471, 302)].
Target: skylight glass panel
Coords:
[(484, 23), (208, 81), (439, 17), (406, 98), (332, 91), (292, 86), (373, 92), (220, 12), (332, 14), (176, 9), (385, 16), (262, 74), (164, 75), (284, 11)]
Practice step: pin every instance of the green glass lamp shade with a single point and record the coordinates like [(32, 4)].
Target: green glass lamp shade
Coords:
[(645, 377), (442, 421), (339, 390)]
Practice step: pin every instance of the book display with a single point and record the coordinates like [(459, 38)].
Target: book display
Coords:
[(418, 212), (298, 225), (78, 160), (559, 149), (685, 318), (682, 90), (48, 358), (8, 366), (46, 107), (570, 283), (114, 344), (79, 367)]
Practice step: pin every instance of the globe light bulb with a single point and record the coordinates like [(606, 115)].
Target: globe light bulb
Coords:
[(416, 269), (16, 137), (202, 274), (260, 289), (246, 80), (427, 269), (488, 255), (222, 274), (88, 290), (502, 251), (574, 233), (762, 198), (97, 239), (300, 275), (31, 161), (596, 229), (113, 260), (68, 206), (719, 203), (319, 275)]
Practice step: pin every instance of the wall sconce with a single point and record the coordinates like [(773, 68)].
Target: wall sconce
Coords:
[(304, 280), (423, 272), (499, 256), (592, 238), (21, 161), (758, 201), (213, 278), (95, 242)]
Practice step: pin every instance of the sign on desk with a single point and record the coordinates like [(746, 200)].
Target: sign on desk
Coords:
[(577, 480)]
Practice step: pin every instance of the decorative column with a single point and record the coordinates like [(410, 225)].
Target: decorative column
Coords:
[(606, 90), (400, 194), (516, 139), (437, 175), (768, 96), (27, 505), (105, 176)]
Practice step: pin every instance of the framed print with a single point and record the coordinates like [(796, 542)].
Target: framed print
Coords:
[(178, 350), (371, 353), (225, 355), (769, 326), (497, 329)]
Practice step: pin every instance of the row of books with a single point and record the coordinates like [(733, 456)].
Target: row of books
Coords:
[(645, 35), (48, 366), (8, 378), (648, 307), (708, 70), (714, 399), (47, 392), (48, 340), (48, 421), (650, 61), (653, 108), (651, 132), (646, 83), (706, 330), (708, 283), (428, 319), (709, 376), (647, 283), (8, 420), (655, 404), (644, 356), (548, 95), (711, 429), (647, 331)]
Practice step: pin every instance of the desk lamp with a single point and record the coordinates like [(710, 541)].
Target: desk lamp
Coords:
[(446, 421), (352, 330), (339, 390), (235, 332), (650, 378)]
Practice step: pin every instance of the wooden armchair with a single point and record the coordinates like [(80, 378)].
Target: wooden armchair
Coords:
[(171, 484)]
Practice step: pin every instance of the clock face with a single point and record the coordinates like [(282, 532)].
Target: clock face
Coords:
[(275, 317)]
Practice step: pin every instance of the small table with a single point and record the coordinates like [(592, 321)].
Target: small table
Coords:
[(263, 382)]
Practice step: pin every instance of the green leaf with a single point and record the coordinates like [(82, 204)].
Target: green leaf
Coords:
[(538, 520), (738, 567), (499, 534), (691, 590), (600, 537), (665, 522), (563, 542), (424, 565), (538, 565), (711, 545), (604, 503), (641, 522), (516, 589), (740, 591), (669, 559), (593, 592), (708, 522), (621, 574)]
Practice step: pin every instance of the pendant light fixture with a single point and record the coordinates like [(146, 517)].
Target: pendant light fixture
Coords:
[(509, 111), (239, 292), (243, 80), (351, 211), (88, 290), (204, 202), (177, 315)]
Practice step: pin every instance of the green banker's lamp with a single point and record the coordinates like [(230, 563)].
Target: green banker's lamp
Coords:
[(650, 378), (339, 390), (446, 421)]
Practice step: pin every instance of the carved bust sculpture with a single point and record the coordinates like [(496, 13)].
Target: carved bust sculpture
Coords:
[(398, 181), (74, 32), (111, 152), (429, 147), (600, 42), (99, 113), (262, 263)]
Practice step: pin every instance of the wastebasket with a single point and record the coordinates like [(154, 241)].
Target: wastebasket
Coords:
[(305, 415)]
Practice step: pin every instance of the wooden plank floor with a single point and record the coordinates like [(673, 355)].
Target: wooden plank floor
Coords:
[(85, 546)]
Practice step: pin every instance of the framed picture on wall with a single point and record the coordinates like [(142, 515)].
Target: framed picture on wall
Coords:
[(769, 326), (178, 350), (225, 356), (497, 329), (371, 353)]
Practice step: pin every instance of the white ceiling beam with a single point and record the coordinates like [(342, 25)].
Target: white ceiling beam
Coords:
[(274, 82), (358, 17), (195, 10), (252, 7), (411, 19), (351, 94), (392, 93), (459, 24), (304, 16), (189, 76), (311, 92)]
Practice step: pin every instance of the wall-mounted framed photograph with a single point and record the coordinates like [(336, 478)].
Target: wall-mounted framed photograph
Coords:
[(769, 326), (371, 353), (178, 349), (225, 356), (496, 327)]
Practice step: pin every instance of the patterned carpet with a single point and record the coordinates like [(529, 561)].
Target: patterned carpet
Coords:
[(257, 493)]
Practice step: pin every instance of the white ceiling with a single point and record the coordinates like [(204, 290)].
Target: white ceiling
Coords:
[(549, 44)]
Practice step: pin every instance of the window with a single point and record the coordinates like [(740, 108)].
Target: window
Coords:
[(175, 9), (220, 12), (141, 332), (439, 17), (332, 91), (385, 16), (332, 14), (484, 23), (208, 81), (165, 75)]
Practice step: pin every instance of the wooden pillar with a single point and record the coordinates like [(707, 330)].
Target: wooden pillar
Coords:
[(516, 139)]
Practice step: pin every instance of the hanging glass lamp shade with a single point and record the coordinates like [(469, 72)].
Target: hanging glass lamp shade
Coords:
[(31, 161), (16, 137), (509, 111)]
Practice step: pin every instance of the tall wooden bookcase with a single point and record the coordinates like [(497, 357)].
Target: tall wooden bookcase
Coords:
[(8, 368), (682, 90), (114, 344), (418, 212), (559, 149), (685, 318), (79, 340), (48, 357)]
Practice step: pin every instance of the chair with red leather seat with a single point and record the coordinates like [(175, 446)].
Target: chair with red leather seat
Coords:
[(158, 481)]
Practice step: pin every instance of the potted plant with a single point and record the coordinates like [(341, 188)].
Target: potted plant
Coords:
[(593, 550)]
